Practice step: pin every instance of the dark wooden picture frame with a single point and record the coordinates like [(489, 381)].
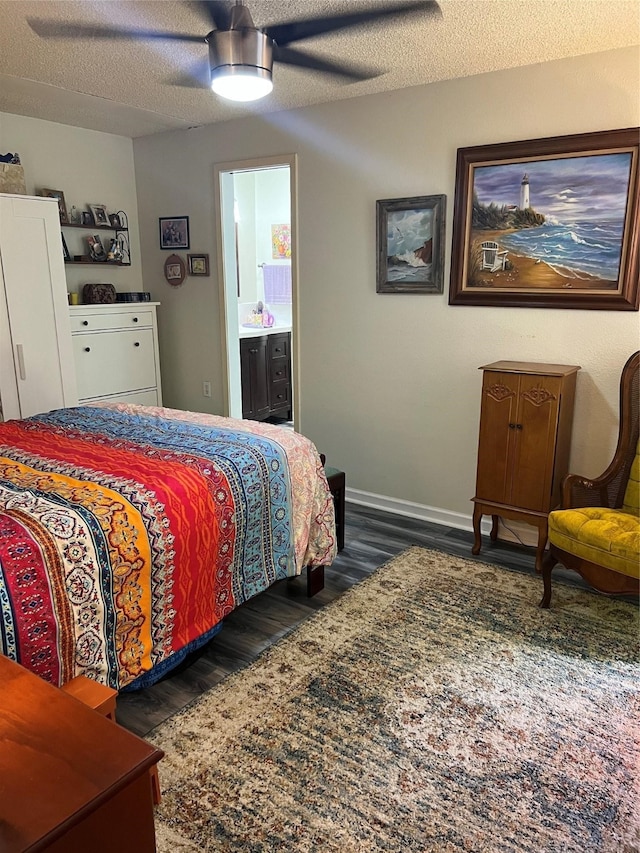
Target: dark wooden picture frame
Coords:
[(198, 264), (548, 223), (62, 205), (174, 232), (410, 244), (65, 250)]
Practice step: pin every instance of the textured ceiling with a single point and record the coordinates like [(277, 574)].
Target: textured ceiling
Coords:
[(123, 88)]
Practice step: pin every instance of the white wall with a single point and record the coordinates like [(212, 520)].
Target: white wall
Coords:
[(90, 168), (390, 387), (264, 200)]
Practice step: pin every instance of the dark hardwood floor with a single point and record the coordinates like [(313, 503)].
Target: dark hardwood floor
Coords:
[(371, 538)]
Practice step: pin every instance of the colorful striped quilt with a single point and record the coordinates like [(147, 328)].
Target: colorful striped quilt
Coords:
[(128, 533)]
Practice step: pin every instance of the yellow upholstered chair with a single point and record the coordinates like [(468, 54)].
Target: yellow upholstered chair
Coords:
[(597, 532)]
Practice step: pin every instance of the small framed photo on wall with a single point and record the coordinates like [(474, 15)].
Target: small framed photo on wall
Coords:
[(198, 264), (174, 232)]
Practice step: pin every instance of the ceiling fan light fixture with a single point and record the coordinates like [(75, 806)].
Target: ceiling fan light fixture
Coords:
[(240, 61), (241, 82)]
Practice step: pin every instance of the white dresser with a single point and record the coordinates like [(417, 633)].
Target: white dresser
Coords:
[(115, 349)]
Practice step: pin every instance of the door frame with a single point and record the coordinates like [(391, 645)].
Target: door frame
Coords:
[(227, 273)]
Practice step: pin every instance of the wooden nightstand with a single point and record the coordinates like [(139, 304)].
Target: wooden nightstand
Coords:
[(70, 780), (102, 699)]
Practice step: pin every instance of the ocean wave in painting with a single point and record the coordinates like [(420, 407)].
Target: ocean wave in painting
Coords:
[(579, 247)]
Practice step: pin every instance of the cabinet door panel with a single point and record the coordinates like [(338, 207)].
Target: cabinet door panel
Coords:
[(499, 403), (253, 367), (36, 299), (114, 362), (534, 450)]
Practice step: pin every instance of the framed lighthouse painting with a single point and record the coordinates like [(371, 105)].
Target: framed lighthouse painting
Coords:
[(550, 223)]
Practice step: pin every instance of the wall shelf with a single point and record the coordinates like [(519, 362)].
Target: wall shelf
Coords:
[(96, 228), (96, 263)]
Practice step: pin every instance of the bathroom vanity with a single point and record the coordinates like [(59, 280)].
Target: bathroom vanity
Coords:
[(265, 366)]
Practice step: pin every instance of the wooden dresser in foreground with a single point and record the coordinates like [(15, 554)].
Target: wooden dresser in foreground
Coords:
[(70, 780), (523, 449)]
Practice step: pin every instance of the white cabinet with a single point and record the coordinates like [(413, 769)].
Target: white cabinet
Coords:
[(36, 360), (115, 349)]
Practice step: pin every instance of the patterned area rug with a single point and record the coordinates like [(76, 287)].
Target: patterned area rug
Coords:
[(434, 708)]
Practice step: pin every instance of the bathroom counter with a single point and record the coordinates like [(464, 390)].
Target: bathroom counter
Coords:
[(258, 331)]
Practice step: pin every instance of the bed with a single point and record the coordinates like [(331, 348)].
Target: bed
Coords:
[(128, 533)]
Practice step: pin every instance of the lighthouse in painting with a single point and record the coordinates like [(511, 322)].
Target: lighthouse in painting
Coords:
[(524, 193)]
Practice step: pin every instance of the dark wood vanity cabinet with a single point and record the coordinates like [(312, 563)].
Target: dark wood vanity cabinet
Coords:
[(265, 366)]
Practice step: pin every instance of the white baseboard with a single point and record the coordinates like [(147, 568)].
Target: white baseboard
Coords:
[(414, 510)]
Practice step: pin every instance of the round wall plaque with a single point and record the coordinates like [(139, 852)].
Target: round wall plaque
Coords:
[(174, 270)]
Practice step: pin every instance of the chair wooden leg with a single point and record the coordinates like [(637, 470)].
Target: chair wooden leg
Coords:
[(547, 565)]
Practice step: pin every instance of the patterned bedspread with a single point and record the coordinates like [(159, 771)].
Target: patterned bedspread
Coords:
[(127, 533)]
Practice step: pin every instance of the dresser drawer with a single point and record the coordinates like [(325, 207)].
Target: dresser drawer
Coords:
[(280, 396), (110, 320), (279, 370), (280, 346), (109, 363)]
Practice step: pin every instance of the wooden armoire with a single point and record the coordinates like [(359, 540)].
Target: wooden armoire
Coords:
[(523, 449), (37, 372)]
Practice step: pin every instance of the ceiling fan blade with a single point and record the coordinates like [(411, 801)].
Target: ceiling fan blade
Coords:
[(298, 59), (58, 29), (286, 33), (216, 12), (197, 76)]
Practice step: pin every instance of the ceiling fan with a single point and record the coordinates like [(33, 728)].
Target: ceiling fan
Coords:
[(241, 56)]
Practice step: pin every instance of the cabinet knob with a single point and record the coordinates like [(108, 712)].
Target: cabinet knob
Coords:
[(278, 373), (254, 351), (85, 322), (134, 319), (518, 426), (280, 396), (512, 426), (87, 349), (137, 344)]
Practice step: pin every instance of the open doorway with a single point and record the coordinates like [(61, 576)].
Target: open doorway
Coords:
[(256, 212)]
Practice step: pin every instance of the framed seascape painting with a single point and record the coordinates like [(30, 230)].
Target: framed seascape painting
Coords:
[(410, 244), (550, 223)]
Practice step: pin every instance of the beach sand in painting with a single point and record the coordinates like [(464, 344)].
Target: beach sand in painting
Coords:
[(528, 273)]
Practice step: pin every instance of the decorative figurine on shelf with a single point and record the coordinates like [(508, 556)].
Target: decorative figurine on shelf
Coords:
[(123, 247), (115, 253), (75, 217)]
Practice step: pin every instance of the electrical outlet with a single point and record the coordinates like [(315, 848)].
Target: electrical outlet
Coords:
[(206, 389)]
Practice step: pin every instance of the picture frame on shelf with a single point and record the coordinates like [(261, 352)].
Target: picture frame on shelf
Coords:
[(65, 251), (549, 223), (410, 244), (96, 249), (198, 264), (100, 215), (174, 232), (62, 206)]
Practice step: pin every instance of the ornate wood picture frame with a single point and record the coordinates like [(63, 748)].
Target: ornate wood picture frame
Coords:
[(549, 223)]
